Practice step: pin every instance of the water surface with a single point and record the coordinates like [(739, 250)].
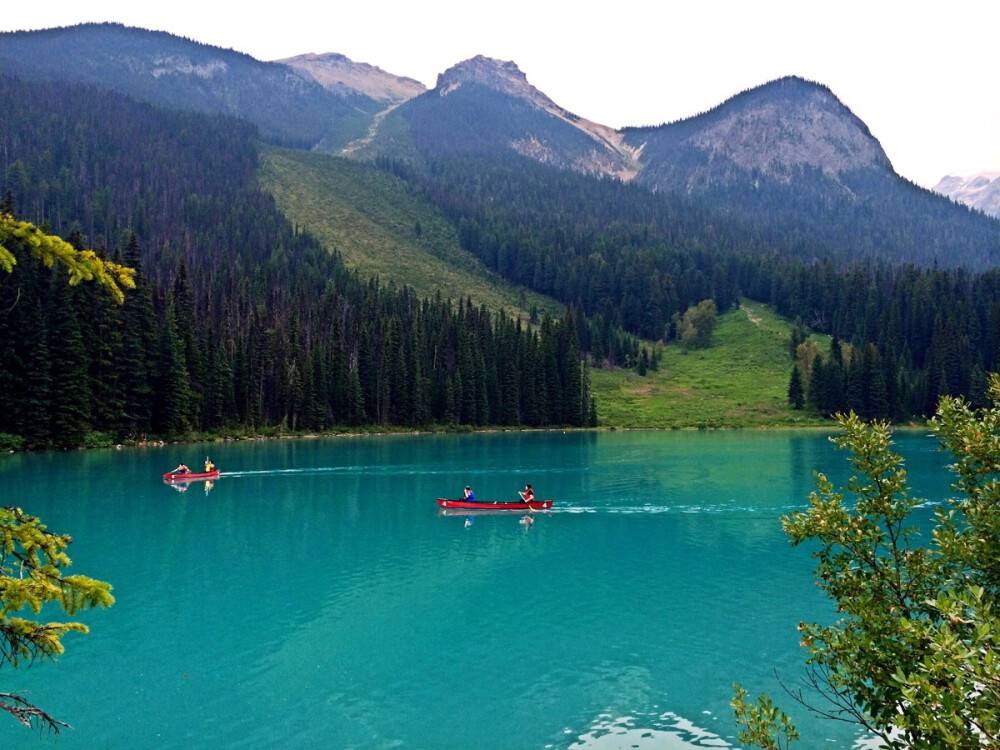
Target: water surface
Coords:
[(313, 596)]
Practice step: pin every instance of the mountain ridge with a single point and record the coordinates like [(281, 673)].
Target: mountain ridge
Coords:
[(339, 74), (507, 78), (787, 159), (766, 131), (980, 190), (167, 70)]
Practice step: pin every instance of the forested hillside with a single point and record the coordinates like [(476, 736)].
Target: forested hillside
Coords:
[(632, 259), (239, 321)]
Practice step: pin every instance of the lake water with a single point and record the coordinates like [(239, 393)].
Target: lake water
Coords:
[(313, 597)]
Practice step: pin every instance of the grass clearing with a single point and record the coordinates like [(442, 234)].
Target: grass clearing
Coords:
[(381, 227), (741, 380)]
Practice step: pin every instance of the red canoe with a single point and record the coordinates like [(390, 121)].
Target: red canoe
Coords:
[(489, 505), (170, 477)]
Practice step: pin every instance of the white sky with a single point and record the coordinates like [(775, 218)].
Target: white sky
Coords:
[(922, 75)]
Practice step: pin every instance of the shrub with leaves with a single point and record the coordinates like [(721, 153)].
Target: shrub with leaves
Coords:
[(913, 658)]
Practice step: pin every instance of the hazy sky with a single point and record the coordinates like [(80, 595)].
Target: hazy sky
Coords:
[(922, 75)]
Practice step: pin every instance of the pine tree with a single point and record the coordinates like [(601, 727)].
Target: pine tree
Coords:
[(101, 323), (818, 394), (137, 356), (182, 300), (173, 393), (70, 397), (796, 395)]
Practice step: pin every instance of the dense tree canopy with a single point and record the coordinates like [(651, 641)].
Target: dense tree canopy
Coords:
[(240, 320)]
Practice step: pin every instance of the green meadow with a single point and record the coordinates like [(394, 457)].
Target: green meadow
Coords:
[(741, 380)]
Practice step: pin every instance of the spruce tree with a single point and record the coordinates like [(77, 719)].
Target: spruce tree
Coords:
[(173, 393), (796, 394), (70, 396), (182, 300), (136, 359)]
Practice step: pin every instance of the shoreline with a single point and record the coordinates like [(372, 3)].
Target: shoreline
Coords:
[(830, 426)]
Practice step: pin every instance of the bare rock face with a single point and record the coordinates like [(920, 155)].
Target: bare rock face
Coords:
[(815, 130), (789, 124), (610, 155), (340, 74), (501, 75), (980, 191)]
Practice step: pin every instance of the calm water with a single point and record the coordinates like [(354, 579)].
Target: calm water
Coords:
[(314, 598)]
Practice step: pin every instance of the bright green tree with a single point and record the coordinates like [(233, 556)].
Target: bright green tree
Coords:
[(914, 657), (83, 265), (31, 564), (697, 325)]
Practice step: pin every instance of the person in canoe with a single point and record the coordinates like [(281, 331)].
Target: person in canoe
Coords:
[(528, 496), (470, 496), (209, 466), (181, 469)]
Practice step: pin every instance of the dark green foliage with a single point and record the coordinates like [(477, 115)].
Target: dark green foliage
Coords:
[(68, 402), (614, 251), (134, 360), (796, 392)]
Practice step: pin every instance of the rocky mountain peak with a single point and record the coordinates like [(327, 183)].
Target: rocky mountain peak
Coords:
[(787, 124), (611, 155), (340, 74), (500, 75)]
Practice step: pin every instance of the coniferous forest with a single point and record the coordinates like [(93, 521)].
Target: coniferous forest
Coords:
[(238, 321), (242, 322)]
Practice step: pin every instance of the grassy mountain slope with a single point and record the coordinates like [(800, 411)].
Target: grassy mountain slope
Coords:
[(381, 227), (740, 381)]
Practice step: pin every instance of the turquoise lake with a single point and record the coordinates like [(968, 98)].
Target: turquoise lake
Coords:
[(313, 597)]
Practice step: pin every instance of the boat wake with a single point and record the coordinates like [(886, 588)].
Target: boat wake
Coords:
[(296, 472), (676, 509)]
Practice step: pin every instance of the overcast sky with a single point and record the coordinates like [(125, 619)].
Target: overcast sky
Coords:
[(922, 75)]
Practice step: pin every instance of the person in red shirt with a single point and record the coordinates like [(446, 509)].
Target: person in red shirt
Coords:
[(528, 495)]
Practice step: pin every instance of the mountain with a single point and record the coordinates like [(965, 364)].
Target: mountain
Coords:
[(772, 133), (257, 311), (341, 75), (787, 160), (790, 160), (980, 191), (167, 70), (487, 106)]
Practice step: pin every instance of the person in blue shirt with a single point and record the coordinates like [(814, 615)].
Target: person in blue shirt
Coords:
[(470, 496)]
